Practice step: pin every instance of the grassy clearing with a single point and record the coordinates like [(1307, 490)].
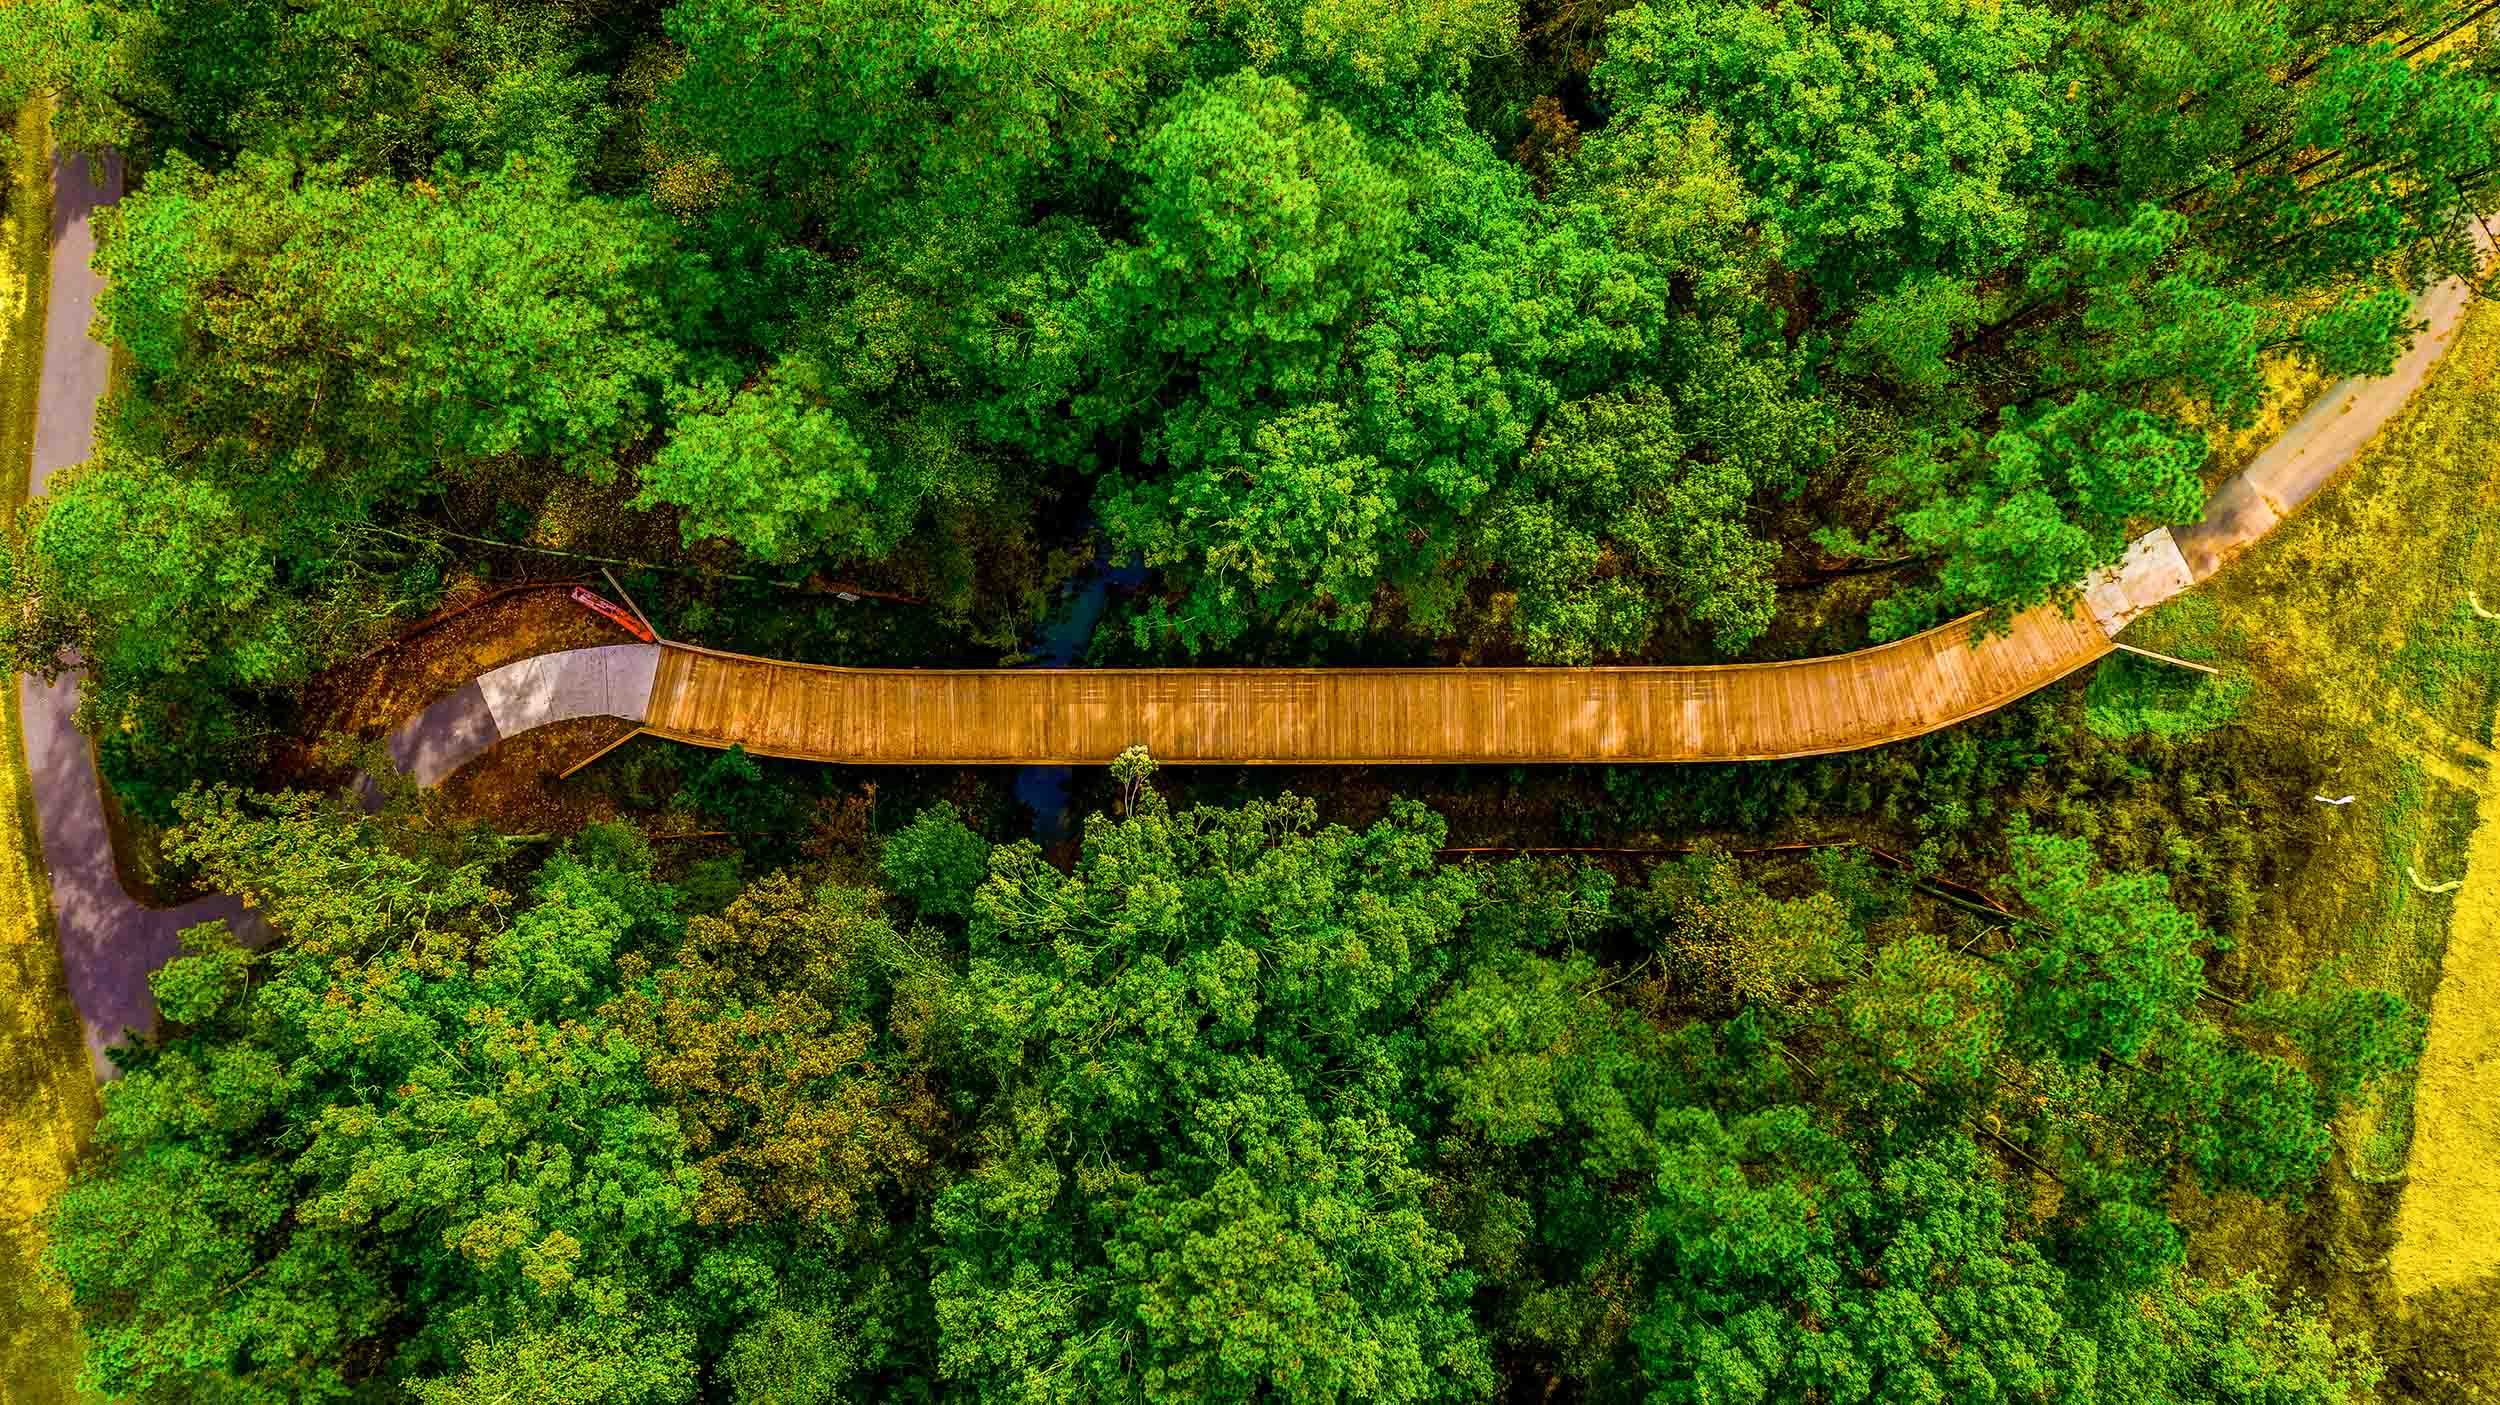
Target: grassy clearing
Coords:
[(2354, 632), (2129, 695), (2349, 633), (25, 249), (2351, 630), (2360, 610), (47, 1099), (2451, 1197)]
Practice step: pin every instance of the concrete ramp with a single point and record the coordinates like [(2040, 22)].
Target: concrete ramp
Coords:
[(2152, 571), (613, 680)]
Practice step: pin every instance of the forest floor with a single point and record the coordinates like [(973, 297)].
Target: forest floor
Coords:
[(459, 642), (518, 785), (2352, 630), (480, 627), (47, 1096)]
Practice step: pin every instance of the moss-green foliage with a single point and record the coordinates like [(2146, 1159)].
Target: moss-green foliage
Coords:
[(1242, 1106), (730, 789), (2450, 662), (2132, 696), (936, 861), (2135, 696), (1274, 290), (2223, 814)]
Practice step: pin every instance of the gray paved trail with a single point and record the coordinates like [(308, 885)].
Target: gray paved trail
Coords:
[(2305, 457), (109, 943)]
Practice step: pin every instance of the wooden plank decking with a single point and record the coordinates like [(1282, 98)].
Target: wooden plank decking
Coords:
[(1737, 712)]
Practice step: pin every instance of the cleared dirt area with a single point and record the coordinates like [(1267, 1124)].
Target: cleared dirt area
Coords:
[(516, 784), (369, 697)]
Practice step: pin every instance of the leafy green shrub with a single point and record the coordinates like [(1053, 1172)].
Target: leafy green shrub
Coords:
[(733, 790), (2133, 697), (936, 861)]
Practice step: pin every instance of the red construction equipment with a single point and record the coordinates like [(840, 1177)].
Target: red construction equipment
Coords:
[(596, 603)]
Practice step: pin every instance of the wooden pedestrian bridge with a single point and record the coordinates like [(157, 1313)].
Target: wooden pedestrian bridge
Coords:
[(1316, 715), (1306, 716)]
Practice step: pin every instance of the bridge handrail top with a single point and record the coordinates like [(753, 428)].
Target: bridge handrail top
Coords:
[(1871, 652)]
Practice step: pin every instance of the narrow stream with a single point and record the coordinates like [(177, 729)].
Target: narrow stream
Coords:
[(1063, 639)]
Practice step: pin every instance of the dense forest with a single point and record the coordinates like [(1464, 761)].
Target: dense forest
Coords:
[(1244, 1107), (1434, 329), (1457, 331)]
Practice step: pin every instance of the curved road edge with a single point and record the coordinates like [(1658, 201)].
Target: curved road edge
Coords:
[(109, 942)]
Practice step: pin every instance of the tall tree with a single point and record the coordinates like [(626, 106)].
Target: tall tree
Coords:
[(405, 1128), (843, 106), (1194, 1182)]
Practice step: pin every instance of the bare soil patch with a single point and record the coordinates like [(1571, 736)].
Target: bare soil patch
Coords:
[(516, 785), (505, 624)]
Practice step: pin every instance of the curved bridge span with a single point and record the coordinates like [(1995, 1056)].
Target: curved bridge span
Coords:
[(1253, 716), (1732, 712)]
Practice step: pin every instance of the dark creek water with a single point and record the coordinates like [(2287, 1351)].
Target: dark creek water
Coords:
[(1063, 639)]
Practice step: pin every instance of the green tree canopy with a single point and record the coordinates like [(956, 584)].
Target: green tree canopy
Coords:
[(1195, 1178), (1239, 1106)]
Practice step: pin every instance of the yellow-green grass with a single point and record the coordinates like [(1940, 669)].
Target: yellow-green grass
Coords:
[(25, 242), (47, 1097), (2353, 630)]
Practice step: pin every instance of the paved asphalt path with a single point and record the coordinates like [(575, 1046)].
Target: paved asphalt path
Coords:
[(2305, 457), (109, 943)]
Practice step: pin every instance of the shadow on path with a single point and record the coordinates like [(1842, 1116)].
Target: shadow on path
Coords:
[(109, 943)]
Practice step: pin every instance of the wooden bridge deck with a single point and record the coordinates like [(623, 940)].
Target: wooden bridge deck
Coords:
[(1734, 712), (1743, 712)]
